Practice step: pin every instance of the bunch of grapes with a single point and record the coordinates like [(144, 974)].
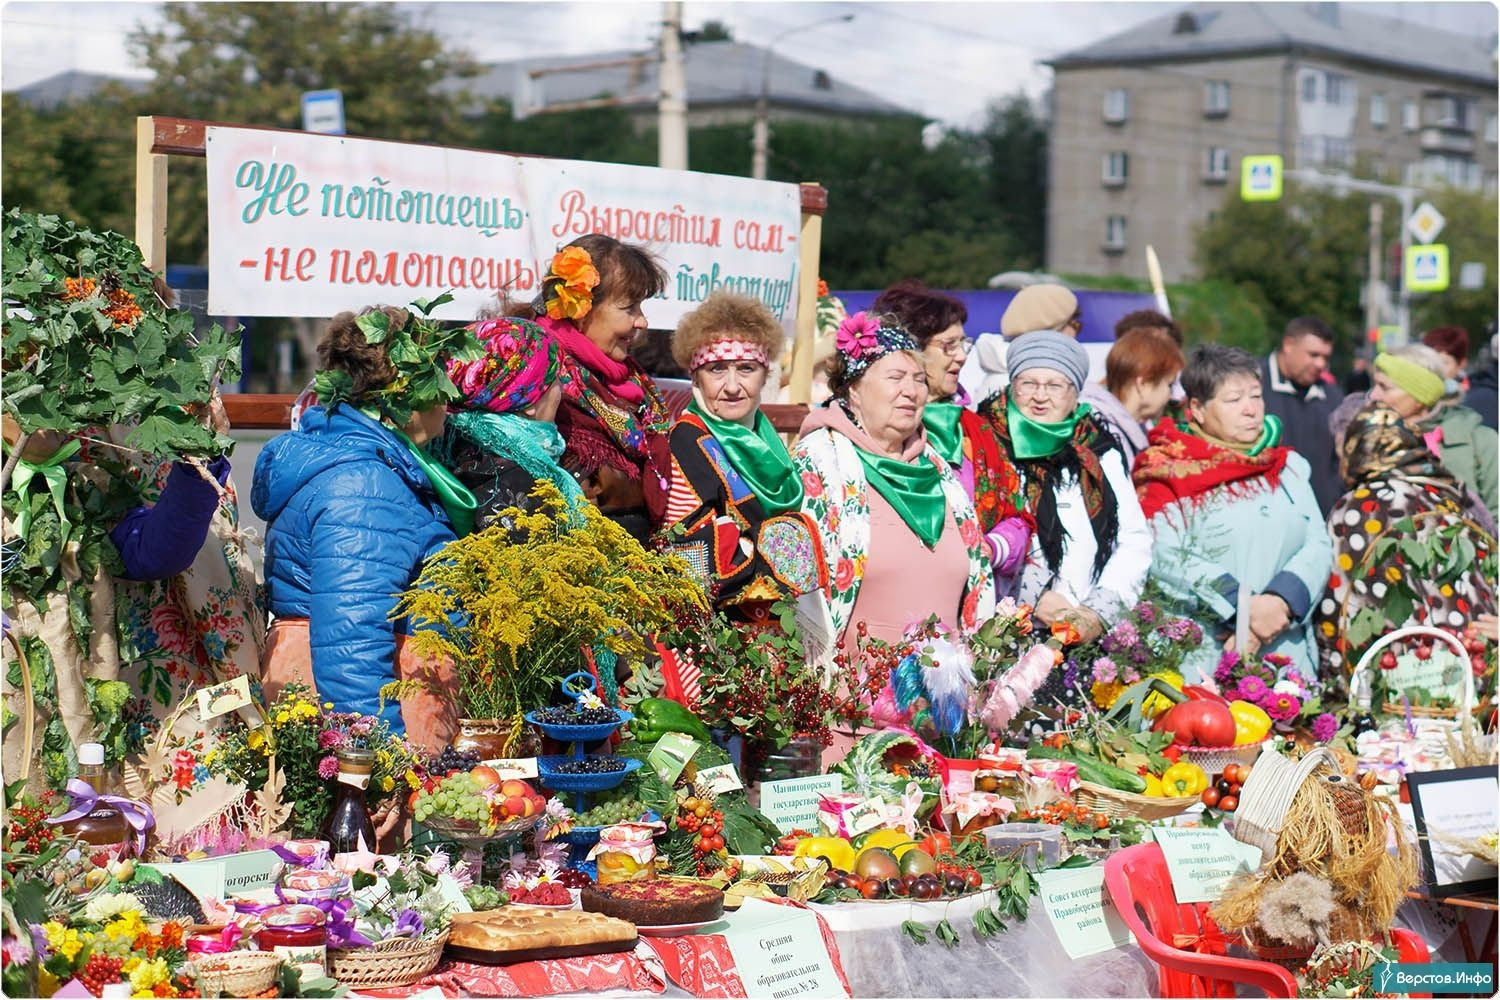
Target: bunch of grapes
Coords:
[(484, 897), (613, 811), (570, 715), (591, 765), (451, 760), (458, 796), (99, 970)]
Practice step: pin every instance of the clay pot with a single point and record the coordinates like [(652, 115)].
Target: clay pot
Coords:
[(496, 738)]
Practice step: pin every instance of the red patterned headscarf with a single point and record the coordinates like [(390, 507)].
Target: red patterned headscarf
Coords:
[(520, 363)]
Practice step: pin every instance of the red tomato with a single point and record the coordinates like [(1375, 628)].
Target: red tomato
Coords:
[(1228, 803), (1210, 796), (1232, 774), (1200, 723), (937, 844)]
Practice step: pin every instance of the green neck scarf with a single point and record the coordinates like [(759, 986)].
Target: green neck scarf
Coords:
[(534, 445), (914, 489), (1034, 439), (760, 458), (943, 431), (1270, 436), (452, 494)]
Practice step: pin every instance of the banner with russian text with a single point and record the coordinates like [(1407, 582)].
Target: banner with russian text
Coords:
[(311, 225)]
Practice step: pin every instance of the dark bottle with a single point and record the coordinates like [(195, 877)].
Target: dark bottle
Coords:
[(1360, 716), (104, 825), (349, 820)]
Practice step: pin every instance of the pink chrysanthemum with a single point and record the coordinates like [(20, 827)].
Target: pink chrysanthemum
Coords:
[(328, 768)]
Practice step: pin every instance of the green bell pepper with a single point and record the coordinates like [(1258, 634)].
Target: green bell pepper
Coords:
[(655, 717)]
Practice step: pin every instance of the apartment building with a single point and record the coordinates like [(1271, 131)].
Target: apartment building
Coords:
[(1148, 126)]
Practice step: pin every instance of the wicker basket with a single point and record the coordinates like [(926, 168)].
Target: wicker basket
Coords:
[(1127, 805), (394, 962), (1364, 670), (237, 973), (1213, 760)]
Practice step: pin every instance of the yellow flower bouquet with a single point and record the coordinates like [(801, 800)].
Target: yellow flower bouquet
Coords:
[(515, 605)]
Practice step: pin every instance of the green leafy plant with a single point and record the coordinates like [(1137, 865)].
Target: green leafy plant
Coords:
[(514, 605), (418, 348)]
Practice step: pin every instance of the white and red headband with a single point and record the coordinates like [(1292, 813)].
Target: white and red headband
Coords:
[(728, 350)]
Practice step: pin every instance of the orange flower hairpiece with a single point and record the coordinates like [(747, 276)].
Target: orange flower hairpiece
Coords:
[(575, 277)]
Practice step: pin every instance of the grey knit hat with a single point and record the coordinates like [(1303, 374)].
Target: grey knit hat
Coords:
[(1046, 349)]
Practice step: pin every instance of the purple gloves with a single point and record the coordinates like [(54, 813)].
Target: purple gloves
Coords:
[(1008, 543)]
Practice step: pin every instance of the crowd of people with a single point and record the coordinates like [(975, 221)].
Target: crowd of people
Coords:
[(1248, 490)]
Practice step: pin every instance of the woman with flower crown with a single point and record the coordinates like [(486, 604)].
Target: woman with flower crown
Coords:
[(899, 533), (613, 420)]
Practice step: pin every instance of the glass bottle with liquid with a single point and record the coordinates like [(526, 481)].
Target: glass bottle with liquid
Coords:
[(104, 825), (1360, 697), (349, 820)]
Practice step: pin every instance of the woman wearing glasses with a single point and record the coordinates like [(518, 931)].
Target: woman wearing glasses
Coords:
[(964, 439), (1088, 560)]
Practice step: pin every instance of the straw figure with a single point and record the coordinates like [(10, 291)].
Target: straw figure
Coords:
[(1327, 873)]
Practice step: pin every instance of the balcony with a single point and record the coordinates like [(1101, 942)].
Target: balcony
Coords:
[(1444, 139)]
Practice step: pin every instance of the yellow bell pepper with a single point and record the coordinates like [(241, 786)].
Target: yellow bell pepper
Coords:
[(1251, 723), (1155, 703), (836, 850), (1183, 779), (1154, 786)]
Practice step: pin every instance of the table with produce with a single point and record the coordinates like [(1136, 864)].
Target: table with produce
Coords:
[(630, 860)]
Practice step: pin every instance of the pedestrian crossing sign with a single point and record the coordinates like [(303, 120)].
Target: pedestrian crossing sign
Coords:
[(1427, 268), (1260, 178)]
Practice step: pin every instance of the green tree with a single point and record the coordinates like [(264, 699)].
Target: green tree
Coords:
[(1302, 255), (1471, 235), (249, 63), (605, 135), (1015, 143)]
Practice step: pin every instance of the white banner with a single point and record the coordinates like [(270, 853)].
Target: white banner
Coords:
[(311, 225)]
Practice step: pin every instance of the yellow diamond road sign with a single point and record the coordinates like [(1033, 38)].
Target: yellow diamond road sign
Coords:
[(1260, 178), (1425, 223), (1427, 268)]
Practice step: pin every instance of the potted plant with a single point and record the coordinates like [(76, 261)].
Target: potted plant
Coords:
[(516, 605)]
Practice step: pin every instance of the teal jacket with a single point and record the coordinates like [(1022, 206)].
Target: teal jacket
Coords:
[(1471, 451), (1272, 541)]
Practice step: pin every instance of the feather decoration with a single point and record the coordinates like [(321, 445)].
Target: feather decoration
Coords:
[(948, 679), (907, 681), (1014, 689)]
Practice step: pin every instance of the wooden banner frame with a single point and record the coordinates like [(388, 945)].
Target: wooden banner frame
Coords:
[(158, 137)]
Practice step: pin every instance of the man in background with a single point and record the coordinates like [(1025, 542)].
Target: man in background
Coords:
[(1297, 392)]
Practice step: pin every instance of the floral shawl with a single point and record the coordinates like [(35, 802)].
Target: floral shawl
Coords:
[(1181, 467), (836, 495), (628, 425)]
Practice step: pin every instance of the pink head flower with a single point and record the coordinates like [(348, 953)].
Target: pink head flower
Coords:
[(1325, 727), (1253, 689), (328, 768), (858, 335)]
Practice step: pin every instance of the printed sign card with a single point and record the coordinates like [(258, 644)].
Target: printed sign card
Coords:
[(779, 952), (671, 754), (721, 779), (1202, 861), (514, 768), (793, 804), (1081, 911), (221, 699)]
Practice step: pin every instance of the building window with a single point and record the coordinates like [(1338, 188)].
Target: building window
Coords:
[(1411, 119), (1216, 99), (1114, 233), (1336, 88), (1310, 87), (1116, 169), (1116, 106), (1490, 129), (1377, 110), (1216, 169)]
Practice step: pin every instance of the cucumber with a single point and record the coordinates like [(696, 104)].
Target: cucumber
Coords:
[(1093, 770)]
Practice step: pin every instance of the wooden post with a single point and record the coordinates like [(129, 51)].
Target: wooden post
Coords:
[(150, 197), (814, 204)]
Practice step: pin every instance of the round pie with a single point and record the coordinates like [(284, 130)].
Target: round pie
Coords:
[(655, 902)]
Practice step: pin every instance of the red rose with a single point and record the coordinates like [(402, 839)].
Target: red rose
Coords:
[(969, 532), (812, 485), (843, 578)]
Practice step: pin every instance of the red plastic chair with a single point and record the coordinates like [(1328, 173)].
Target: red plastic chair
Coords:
[(1184, 942)]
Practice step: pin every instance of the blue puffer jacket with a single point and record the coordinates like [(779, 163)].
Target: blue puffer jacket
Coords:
[(350, 517)]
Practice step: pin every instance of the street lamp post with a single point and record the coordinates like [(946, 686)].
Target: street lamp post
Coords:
[(761, 138)]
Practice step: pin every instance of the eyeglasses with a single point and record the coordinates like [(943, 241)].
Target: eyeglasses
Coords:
[(1031, 387), (953, 348)]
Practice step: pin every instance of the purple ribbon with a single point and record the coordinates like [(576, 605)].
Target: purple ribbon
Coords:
[(84, 799), (341, 930)]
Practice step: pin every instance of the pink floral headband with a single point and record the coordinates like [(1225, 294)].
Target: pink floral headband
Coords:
[(727, 350), (863, 340)]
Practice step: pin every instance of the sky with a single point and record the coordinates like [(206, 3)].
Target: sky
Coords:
[(947, 61)]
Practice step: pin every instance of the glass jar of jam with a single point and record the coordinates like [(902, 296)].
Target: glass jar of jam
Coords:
[(299, 934), (625, 853)]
